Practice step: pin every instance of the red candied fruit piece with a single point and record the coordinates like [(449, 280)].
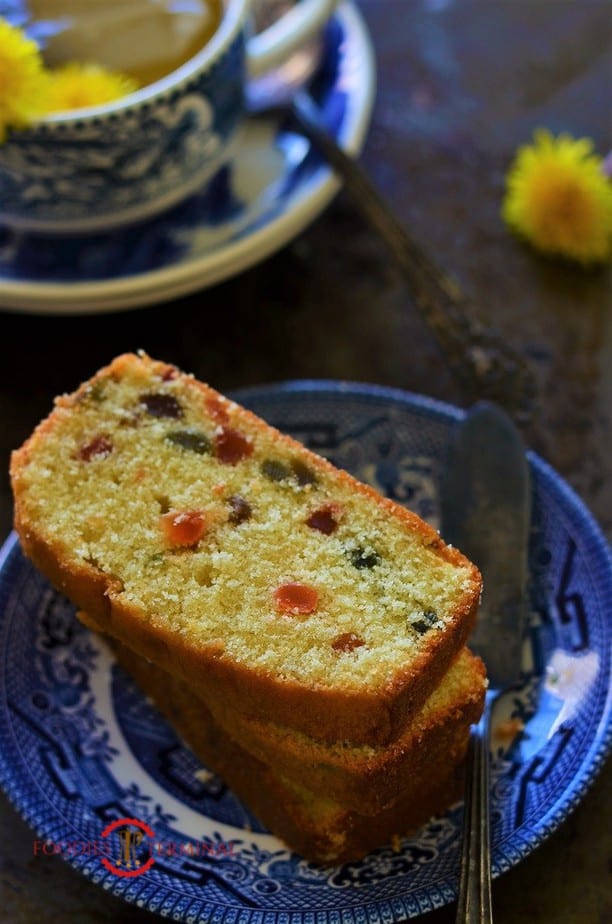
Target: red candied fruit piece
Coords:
[(183, 527), (216, 410), (97, 448), (325, 518), (348, 641), (293, 599), (231, 446)]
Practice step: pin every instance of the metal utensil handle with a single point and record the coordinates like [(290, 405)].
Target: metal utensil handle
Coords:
[(480, 359), (474, 903)]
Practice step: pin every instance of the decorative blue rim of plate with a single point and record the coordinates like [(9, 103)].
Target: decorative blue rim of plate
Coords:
[(274, 187), (81, 748)]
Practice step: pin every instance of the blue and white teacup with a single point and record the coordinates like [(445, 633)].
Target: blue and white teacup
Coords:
[(97, 168)]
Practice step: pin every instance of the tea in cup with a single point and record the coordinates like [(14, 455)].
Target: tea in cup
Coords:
[(145, 39), (103, 166)]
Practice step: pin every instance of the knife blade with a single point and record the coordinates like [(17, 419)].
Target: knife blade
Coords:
[(486, 513), (485, 497)]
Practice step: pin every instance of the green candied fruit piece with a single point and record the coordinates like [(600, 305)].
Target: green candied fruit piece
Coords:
[(428, 620), (302, 473), (362, 558), (295, 471), (192, 440), (275, 470), (93, 393), (155, 560)]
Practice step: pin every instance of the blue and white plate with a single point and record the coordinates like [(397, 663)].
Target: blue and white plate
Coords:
[(275, 186), (81, 750)]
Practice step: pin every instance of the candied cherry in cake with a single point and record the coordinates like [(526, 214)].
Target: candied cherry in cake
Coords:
[(348, 641), (216, 410), (97, 448), (325, 519), (295, 599), (231, 446), (183, 528)]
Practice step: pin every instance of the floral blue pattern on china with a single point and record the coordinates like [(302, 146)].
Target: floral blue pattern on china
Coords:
[(81, 748)]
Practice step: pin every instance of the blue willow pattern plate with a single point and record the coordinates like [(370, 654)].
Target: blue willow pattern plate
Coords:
[(274, 186), (81, 749)]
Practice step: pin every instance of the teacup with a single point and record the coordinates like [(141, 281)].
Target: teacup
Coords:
[(97, 168)]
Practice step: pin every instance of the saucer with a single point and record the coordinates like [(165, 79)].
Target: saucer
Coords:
[(273, 188), (83, 751)]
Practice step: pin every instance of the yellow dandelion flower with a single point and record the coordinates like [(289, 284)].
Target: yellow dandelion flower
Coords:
[(74, 86), (559, 199), (22, 79)]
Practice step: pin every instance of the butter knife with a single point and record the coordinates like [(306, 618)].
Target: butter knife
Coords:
[(486, 512)]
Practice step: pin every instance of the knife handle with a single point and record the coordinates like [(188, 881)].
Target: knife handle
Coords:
[(474, 903)]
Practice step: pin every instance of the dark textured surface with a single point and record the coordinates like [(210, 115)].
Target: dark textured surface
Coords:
[(461, 85)]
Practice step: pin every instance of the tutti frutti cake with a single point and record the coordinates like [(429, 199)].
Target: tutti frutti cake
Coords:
[(317, 822), (236, 559), (312, 621)]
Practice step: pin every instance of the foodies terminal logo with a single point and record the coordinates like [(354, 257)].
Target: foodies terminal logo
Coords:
[(131, 833), (128, 847)]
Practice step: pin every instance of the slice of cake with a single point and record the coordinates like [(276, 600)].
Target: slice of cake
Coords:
[(368, 778), (237, 560), (359, 778), (310, 821)]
